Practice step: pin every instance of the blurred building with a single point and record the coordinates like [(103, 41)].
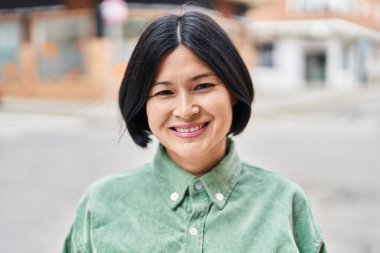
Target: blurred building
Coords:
[(323, 43), (75, 49)]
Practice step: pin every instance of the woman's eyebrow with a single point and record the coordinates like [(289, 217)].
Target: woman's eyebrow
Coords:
[(192, 79), (161, 83), (197, 77)]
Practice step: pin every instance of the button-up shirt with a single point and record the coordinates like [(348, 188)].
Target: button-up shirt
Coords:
[(160, 207)]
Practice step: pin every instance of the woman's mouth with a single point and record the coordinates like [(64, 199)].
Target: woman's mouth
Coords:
[(189, 131)]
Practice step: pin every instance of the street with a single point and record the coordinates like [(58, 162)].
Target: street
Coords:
[(328, 142)]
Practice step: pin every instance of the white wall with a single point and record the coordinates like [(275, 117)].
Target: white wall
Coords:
[(287, 72), (374, 65), (294, 38), (336, 75)]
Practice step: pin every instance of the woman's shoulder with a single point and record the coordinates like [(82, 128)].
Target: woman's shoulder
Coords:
[(123, 181), (269, 179)]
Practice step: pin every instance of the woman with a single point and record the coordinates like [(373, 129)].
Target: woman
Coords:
[(187, 85)]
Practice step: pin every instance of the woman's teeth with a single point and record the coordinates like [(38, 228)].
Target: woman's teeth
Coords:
[(189, 130)]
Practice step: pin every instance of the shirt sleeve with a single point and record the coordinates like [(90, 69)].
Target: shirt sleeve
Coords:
[(78, 239), (305, 228)]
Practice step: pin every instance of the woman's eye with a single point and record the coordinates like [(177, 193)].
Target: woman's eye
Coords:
[(164, 93), (203, 86)]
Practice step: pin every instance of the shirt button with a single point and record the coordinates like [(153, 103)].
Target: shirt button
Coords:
[(199, 186), (219, 196), (193, 231), (174, 196)]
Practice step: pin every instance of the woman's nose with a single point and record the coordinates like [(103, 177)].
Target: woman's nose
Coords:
[(185, 107)]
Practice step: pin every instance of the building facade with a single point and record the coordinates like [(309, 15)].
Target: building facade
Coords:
[(68, 49), (316, 43)]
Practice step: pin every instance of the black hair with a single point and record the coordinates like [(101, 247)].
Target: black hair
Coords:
[(206, 39)]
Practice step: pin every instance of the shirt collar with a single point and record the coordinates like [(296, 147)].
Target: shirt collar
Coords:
[(218, 183)]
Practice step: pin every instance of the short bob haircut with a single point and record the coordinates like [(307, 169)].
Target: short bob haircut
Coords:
[(206, 39)]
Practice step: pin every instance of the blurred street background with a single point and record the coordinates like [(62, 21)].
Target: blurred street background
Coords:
[(316, 115)]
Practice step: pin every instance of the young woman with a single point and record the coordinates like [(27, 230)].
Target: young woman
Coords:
[(187, 85)]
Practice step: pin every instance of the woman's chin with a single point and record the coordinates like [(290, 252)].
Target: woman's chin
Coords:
[(191, 151)]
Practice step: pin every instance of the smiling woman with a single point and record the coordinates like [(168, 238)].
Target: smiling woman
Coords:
[(189, 110), (187, 85)]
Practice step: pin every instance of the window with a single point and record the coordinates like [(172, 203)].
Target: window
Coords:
[(10, 40), (265, 54), (59, 45), (315, 68), (320, 5)]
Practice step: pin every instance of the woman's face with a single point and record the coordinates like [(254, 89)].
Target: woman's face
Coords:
[(189, 111)]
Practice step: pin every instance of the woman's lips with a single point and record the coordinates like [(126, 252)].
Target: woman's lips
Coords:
[(189, 131)]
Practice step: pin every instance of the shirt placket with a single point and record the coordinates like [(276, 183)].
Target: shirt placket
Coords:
[(200, 205)]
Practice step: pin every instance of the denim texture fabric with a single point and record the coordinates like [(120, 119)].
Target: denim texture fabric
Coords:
[(159, 207)]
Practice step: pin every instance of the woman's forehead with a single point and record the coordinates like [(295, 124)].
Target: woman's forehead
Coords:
[(182, 62)]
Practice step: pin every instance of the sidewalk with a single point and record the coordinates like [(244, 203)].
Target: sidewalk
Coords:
[(305, 101)]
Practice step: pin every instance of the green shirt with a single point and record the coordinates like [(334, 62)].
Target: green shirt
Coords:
[(159, 207)]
